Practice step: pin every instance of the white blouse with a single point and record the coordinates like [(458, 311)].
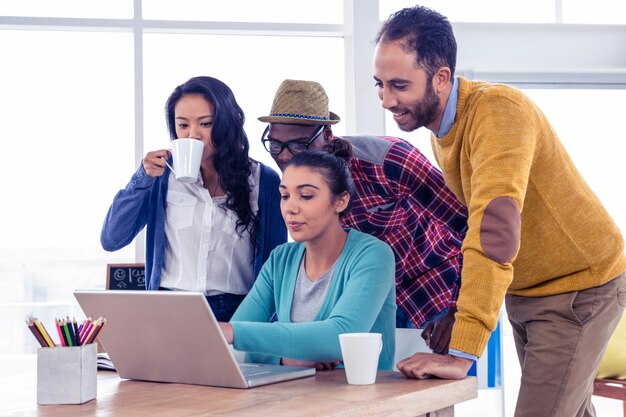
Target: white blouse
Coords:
[(203, 251)]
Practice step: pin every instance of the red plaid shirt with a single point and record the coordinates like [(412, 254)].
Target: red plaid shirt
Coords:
[(401, 198)]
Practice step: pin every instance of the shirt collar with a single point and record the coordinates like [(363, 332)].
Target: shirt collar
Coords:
[(449, 112)]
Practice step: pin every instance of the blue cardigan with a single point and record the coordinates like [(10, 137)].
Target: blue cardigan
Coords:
[(361, 298), (143, 202)]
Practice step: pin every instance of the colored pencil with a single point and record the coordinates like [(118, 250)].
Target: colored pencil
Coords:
[(36, 333), (57, 324), (86, 331), (84, 326), (69, 332), (66, 332), (66, 339), (70, 329), (91, 329), (76, 333), (43, 332), (95, 335)]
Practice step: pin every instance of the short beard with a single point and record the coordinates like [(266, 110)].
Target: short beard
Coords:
[(425, 111)]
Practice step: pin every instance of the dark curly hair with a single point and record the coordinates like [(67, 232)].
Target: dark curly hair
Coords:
[(230, 141), (332, 161), (425, 32)]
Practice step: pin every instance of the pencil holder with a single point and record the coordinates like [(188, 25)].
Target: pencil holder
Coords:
[(66, 375)]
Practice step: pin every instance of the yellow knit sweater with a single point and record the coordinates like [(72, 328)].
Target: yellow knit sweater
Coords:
[(535, 228)]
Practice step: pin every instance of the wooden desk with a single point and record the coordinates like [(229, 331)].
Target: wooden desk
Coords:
[(326, 394)]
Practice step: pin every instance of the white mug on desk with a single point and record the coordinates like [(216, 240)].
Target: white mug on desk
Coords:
[(360, 352), (187, 155)]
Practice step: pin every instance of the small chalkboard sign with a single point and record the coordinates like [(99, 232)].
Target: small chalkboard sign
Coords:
[(126, 277)]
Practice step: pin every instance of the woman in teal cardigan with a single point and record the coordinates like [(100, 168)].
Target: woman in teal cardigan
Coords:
[(329, 281)]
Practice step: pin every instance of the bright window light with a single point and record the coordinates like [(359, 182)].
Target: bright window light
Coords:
[(67, 108), (527, 11), (598, 12), (109, 9), (252, 66), (274, 11)]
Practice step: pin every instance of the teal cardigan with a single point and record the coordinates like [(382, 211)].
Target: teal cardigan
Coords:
[(361, 298)]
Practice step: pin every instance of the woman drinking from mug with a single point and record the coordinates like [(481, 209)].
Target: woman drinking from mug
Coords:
[(329, 281), (211, 235)]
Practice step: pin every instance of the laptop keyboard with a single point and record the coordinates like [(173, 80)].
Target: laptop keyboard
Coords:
[(250, 370)]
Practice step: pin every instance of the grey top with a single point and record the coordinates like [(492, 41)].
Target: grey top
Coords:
[(309, 295)]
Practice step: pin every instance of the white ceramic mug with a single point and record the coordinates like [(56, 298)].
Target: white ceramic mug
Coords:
[(360, 352), (187, 155)]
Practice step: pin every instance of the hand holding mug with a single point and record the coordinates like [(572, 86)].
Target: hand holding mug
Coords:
[(154, 162), (187, 155)]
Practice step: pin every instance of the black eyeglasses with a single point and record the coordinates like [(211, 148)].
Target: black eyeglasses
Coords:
[(275, 147)]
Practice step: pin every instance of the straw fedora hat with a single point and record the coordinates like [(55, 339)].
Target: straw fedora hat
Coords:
[(301, 102)]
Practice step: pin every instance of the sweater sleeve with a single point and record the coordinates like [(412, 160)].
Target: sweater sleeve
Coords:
[(259, 306), (128, 213), (501, 141), (361, 289)]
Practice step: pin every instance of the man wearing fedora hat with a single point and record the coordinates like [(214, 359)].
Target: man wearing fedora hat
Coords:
[(400, 198)]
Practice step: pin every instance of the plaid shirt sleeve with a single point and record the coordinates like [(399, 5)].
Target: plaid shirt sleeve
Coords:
[(411, 173), (406, 203)]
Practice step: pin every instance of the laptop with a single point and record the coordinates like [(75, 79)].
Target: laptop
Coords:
[(173, 336)]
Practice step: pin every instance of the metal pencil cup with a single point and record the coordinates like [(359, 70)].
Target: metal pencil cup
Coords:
[(66, 375)]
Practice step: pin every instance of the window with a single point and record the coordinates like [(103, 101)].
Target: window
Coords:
[(588, 123), (67, 96), (67, 105), (275, 11), (110, 9), (600, 11), (528, 11), (74, 132), (252, 66)]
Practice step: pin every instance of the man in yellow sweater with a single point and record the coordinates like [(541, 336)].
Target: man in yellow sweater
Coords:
[(537, 236)]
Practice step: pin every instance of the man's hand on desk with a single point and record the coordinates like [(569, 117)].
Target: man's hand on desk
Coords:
[(320, 366), (437, 333), (425, 365), (227, 329)]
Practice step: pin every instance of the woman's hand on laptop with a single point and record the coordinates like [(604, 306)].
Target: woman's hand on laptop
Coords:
[(320, 366), (227, 329)]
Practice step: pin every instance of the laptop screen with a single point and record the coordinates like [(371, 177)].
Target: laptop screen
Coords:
[(167, 336)]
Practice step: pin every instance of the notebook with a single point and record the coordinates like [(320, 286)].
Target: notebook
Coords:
[(173, 336)]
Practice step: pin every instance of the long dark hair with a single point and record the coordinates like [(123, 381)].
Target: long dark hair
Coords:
[(332, 162), (425, 32), (230, 141)]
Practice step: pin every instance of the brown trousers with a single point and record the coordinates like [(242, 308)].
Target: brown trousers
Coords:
[(560, 342)]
